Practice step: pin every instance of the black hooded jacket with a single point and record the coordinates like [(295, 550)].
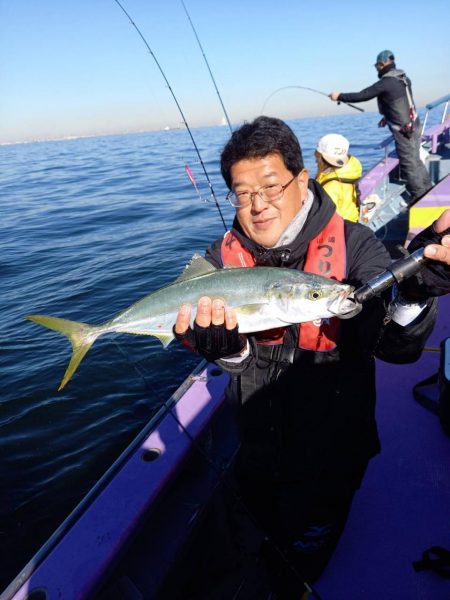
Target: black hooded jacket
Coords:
[(390, 92), (304, 411)]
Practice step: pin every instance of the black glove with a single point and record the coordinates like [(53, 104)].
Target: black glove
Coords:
[(213, 342), (433, 278)]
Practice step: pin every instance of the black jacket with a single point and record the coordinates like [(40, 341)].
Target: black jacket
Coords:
[(390, 92), (304, 411)]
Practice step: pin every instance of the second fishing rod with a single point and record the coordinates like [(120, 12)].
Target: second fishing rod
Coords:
[(213, 195), (310, 89)]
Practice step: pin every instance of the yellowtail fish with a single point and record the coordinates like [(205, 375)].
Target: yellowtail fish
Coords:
[(263, 297)]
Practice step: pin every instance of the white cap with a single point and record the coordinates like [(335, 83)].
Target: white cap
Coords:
[(334, 148)]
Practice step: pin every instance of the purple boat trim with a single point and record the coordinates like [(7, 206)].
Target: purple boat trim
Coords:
[(79, 561), (376, 175), (437, 198)]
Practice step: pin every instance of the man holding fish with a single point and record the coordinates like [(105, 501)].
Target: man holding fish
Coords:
[(306, 391), (302, 359)]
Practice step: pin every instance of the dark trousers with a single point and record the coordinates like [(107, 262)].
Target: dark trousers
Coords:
[(302, 522), (260, 536), (411, 167)]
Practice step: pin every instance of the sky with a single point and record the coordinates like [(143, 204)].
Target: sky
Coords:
[(78, 67)]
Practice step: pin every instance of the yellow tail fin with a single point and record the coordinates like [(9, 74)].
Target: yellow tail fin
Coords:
[(81, 336)]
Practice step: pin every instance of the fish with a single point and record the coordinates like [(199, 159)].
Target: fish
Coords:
[(263, 297)]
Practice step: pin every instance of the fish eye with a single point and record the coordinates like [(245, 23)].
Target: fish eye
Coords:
[(315, 294)]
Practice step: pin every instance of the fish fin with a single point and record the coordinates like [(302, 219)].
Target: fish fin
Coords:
[(164, 338), (197, 266), (81, 336)]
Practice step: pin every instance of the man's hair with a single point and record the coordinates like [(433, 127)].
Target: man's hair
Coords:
[(261, 137)]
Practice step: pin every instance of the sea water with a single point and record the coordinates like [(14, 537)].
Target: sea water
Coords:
[(87, 227)]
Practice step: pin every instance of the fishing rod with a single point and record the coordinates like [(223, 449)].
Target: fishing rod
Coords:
[(397, 272), (207, 64), (302, 87), (180, 111)]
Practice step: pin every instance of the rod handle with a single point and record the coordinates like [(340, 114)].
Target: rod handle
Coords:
[(352, 105), (398, 271)]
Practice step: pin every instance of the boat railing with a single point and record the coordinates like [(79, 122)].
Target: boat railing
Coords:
[(429, 107), (380, 171), (440, 132)]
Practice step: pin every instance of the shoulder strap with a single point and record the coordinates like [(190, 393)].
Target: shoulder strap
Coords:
[(412, 109), (401, 75), (342, 180)]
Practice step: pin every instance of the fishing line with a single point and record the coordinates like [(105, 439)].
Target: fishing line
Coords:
[(207, 64), (219, 472), (213, 195), (302, 87)]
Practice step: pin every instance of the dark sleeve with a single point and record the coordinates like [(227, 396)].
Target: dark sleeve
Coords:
[(366, 94), (366, 254)]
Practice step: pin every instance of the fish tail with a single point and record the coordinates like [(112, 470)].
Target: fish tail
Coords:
[(81, 336)]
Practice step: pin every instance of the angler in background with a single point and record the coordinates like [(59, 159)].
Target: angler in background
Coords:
[(395, 102), (305, 393), (338, 172)]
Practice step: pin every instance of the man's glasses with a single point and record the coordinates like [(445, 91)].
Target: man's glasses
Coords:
[(267, 193)]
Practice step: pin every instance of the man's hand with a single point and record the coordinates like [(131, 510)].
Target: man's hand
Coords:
[(434, 277), (334, 96), (208, 311), (441, 251), (215, 334)]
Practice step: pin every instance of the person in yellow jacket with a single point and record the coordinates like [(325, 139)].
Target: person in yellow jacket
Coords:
[(339, 172)]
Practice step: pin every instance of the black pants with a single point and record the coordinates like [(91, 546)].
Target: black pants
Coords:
[(411, 167), (302, 522), (260, 536)]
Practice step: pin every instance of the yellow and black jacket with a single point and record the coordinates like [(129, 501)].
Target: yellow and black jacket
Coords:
[(341, 184)]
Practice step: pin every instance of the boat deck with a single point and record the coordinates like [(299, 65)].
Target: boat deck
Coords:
[(403, 506)]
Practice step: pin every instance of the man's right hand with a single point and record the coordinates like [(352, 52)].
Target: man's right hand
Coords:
[(215, 334)]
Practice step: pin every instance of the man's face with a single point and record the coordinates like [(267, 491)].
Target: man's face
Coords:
[(380, 65), (261, 221)]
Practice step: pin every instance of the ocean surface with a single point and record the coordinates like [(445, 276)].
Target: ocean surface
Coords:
[(87, 227)]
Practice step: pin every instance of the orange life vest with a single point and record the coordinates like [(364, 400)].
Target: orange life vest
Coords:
[(326, 256)]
